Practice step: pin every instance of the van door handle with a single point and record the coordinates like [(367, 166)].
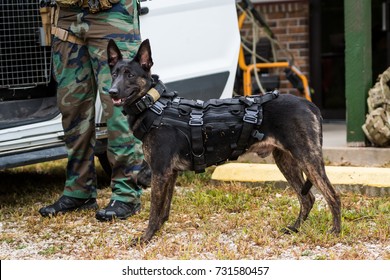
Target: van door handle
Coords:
[(143, 11)]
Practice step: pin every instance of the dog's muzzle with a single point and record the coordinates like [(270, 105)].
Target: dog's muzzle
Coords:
[(114, 94)]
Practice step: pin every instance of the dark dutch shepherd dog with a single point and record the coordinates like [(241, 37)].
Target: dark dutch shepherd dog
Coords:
[(291, 129)]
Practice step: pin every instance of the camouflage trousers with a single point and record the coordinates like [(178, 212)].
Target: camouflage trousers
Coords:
[(82, 72)]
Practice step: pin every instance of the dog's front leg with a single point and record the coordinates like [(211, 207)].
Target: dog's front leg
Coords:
[(161, 197)]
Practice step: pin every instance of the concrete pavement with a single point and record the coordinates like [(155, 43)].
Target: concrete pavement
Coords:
[(336, 151), (364, 170)]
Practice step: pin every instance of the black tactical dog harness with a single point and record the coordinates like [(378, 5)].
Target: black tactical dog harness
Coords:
[(217, 130)]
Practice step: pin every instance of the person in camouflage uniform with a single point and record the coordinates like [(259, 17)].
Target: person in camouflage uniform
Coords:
[(81, 70)]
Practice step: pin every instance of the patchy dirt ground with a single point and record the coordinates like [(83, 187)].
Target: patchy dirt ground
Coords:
[(208, 221)]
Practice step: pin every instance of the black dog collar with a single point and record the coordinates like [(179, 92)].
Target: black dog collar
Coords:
[(146, 101)]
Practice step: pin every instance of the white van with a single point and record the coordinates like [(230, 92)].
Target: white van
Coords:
[(195, 45)]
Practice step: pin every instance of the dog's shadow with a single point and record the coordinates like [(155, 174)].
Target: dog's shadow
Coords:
[(37, 183)]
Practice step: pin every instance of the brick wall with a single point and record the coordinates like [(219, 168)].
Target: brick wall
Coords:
[(289, 22)]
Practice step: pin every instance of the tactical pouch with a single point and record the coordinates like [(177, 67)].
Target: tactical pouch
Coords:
[(379, 95), (107, 4), (377, 127), (377, 124)]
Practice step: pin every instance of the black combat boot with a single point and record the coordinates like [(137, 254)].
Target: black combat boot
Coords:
[(118, 210), (66, 204)]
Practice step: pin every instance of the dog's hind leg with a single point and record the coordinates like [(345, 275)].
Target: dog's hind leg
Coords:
[(161, 197), (316, 174), (293, 174), (312, 164)]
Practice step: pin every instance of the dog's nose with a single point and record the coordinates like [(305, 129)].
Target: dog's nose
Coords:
[(113, 91)]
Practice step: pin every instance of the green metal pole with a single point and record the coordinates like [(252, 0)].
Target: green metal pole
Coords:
[(358, 66)]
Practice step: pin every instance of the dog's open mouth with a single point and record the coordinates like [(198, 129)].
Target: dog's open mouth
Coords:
[(118, 101)]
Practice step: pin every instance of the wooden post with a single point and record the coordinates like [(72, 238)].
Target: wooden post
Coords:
[(358, 66)]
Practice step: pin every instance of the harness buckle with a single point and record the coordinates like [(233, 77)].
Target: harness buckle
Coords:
[(258, 135), (158, 108), (196, 118), (176, 100), (250, 116), (141, 106), (199, 103)]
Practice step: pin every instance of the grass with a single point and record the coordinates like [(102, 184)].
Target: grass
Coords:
[(208, 221)]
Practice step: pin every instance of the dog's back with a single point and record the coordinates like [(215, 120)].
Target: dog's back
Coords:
[(292, 120)]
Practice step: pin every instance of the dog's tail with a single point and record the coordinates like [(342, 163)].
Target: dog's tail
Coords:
[(306, 188)]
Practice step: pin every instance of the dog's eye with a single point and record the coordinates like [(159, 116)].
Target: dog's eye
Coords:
[(129, 74), (114, 75)]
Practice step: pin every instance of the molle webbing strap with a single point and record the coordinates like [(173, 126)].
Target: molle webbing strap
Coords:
[(253, 117), (61, 33), (196, 123), (66, 36), (45, 12), (250, 121)]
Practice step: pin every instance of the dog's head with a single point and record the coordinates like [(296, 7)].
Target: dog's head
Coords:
[(131, 79)]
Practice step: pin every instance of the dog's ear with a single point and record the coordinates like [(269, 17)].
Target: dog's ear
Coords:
[(144, 55), (113, 53)]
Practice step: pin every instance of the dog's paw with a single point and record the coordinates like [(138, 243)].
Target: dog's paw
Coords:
[(136, 242), (139, 241), (289, 230), (334, 231)]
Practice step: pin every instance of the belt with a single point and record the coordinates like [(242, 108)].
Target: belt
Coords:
[(93, 6), (66, 36)]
